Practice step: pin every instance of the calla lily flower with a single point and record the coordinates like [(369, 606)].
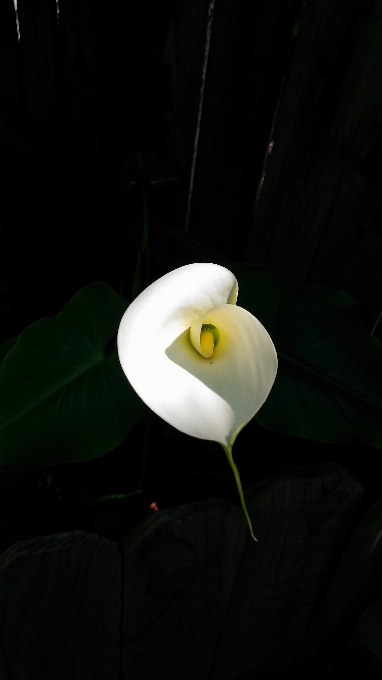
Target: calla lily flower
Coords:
[(199, 361)]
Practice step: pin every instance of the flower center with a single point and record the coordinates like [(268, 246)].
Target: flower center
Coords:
[(207, 344), (204, 338)]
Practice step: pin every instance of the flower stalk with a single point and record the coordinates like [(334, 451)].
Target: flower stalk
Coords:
[(228, 453)]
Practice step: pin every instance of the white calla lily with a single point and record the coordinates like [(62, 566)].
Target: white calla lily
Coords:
[(197, 360)]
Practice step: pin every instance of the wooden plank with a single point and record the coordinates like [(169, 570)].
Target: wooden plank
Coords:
[(10, 84), (77, 121), (78, 91), (185, 58), (319, 213), (9, 56), (60, 608), (178, 74), (161, 99), (246, 64), (37, 19), (202, 600)]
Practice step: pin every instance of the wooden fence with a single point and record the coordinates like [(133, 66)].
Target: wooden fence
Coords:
[(209, 91)]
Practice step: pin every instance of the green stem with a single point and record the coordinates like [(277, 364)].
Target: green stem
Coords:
[(228, 453)]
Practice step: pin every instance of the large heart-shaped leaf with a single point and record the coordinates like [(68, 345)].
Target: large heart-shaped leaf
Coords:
[(329, 383), (64, 396), (6, 347)]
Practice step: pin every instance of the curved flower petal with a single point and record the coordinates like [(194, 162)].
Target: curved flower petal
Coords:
[(209, 398)]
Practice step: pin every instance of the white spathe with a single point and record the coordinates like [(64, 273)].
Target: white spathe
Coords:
[(206, 398)]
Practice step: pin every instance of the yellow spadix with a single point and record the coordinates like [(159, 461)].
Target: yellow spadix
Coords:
[(207, 344)]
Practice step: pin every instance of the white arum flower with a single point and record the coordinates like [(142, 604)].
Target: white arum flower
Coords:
[(200, 362)]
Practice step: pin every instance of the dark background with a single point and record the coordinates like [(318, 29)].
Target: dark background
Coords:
[(212, 95)]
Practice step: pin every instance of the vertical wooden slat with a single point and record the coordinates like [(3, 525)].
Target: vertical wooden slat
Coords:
[(10, 82), (9, 72), (180, 77), (78, 129), (246, 64), (178, 61), (79, 86), (37, 22), (319, 213)]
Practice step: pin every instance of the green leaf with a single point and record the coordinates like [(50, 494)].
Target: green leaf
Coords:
[(6, 347), (328, 385), (64, 396), (357, 574)]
